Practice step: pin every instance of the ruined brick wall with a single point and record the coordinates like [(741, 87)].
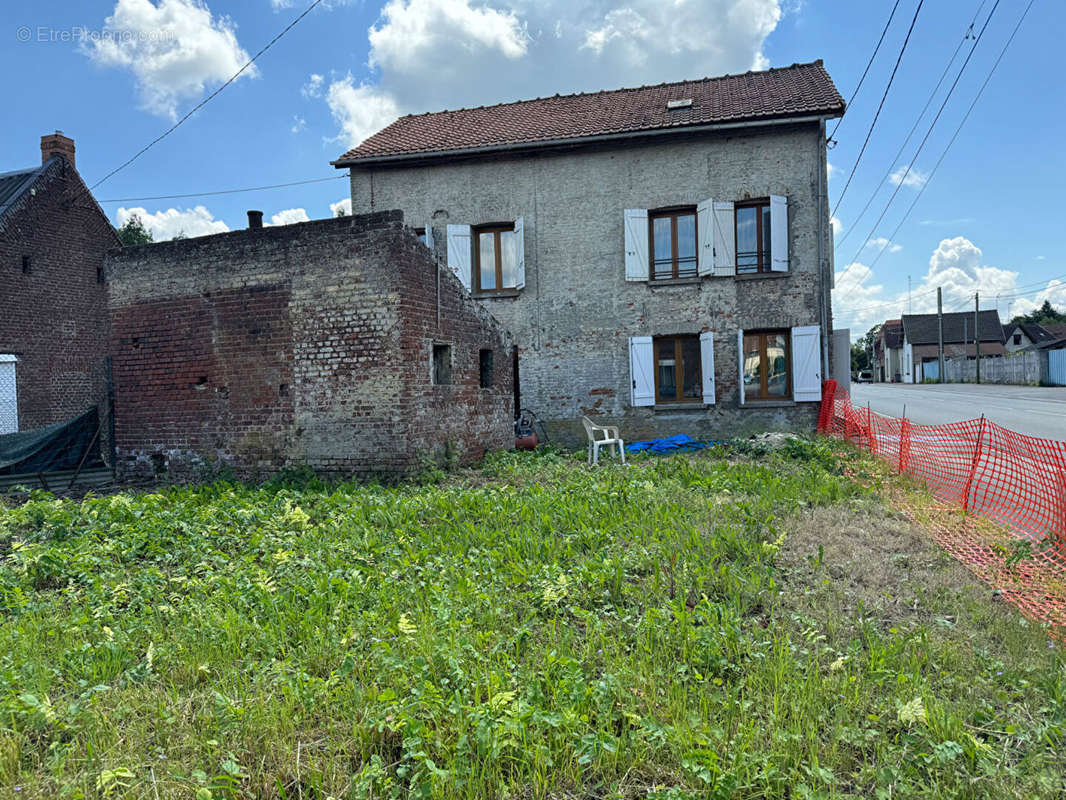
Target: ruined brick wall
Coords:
[(53, 303), (262, 349), (574, 316)]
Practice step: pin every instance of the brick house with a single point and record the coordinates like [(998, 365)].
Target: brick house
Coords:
[(340, 344), (53, 301), (661, 255)]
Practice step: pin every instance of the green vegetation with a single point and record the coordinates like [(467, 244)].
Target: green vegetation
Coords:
[(1045, 315), (134, 232), (529, 629)]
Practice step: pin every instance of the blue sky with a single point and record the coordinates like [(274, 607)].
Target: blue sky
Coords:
[(114, 74)]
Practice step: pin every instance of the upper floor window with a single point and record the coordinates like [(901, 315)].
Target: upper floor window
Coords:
[(753, 237), (673, 243), (496, 258), (1017, 338)]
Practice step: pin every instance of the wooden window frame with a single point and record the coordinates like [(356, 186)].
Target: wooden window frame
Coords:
[(761, 254), (764, 374), (495, 230), (679, 365), (675, 265)]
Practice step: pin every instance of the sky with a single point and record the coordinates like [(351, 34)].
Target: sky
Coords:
[(115, 74)]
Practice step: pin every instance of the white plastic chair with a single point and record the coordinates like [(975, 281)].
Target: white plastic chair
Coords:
[(610, 437)]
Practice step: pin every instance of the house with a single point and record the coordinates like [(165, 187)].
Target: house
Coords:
[(53, 301), (921, 339), (662, 255), (338, 344), (1022, 335), (888, 352)]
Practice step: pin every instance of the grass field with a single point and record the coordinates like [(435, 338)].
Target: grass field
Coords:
[(703, 626)]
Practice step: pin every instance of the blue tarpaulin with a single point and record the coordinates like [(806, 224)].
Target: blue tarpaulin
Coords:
[(671, 444)]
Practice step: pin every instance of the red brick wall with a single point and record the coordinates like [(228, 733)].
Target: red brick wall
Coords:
[(302, 344), (209, 374), (54, 318)]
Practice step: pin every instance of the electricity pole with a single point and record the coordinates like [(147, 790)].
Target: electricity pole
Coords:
[(939, 335), (976, 332)]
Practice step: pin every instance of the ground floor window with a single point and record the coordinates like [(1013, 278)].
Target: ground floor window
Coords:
[(766, 360), (677, 369)]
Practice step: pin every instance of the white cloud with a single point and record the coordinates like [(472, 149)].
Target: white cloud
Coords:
[(914, 177), (1054, 293), (359, 110), (881, 243), (344, 205), (298, 123), (955, 265), (1041, 258), (838, 226), (313, 87), (289, 216), (167, 224), (435, 54), (830, 170), (175, 50)]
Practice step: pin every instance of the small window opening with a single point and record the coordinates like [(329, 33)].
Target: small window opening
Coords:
[(485, 364), (26, 265), (442, 364), (99, 274)]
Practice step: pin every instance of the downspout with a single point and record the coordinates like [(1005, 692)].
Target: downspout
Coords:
[(823, 262)]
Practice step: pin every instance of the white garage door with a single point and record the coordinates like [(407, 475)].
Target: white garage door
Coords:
[(9, 411)]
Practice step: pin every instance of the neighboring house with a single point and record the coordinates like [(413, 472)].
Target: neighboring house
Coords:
[(921, 339), (661, 255), (339, 344), (888, 352), (53, 301), (1022, 335)]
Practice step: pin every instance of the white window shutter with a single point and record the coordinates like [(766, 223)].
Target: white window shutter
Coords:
[(520, 253), (9, 397), (707, 366), (459, 253), (637, 263), (778, 233), (429, 235), (806, 364), (740, 364), (641, 371), (705, 231), (725, 238)]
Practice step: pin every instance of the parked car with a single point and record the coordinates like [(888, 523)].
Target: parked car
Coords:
[(864, 376)]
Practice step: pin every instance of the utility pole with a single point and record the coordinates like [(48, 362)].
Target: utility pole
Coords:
[(940, 335), (977, 332), (909, 309)]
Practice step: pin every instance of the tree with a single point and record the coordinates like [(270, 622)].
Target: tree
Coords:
[(1041, 316), (134, 232), (862, 350)]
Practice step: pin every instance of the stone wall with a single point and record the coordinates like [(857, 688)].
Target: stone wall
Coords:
[(53, 301), (574, 316), (305, 344)]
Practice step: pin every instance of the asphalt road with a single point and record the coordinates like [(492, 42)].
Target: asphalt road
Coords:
[(1032, 410)]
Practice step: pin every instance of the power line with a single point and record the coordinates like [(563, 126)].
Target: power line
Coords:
[(965, 117), (881, 105), (873, 55), (221, 191), (914, 127), (929, 132), (207, 99)]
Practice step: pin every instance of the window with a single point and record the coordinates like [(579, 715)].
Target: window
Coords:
[(25, 265), (485, 368), (9, 406), (496, 259), (1017, 338), (766, 358), (442, 364), (677, 369), (673, 243), (421, 234), (753, 237)]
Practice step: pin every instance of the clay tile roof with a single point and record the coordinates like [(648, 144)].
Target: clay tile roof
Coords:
[(799, 90)]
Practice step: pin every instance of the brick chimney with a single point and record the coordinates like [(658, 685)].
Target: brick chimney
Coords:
[(255, 220), (56, 144)]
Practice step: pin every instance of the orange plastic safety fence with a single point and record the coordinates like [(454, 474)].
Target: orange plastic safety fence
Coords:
[(1015, 480)]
